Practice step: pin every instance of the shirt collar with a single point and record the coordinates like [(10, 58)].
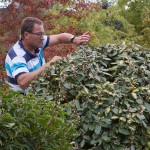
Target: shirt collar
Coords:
[(28, 52)]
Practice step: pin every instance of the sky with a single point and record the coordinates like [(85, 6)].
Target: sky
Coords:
[(4, 4)]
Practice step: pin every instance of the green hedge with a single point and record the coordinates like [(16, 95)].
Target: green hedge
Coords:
[(109, 90), (30, 123)]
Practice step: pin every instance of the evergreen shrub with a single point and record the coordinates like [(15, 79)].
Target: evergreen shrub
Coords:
[(30, 123), (108, 88)]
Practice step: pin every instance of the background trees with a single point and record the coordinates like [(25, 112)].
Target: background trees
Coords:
[(107, 24), (137, 12), (64, 16)]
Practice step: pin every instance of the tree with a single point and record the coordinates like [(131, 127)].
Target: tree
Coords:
[(146, 28), (51, 13), (137, 12)]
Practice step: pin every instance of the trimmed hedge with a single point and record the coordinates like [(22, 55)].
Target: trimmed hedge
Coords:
[(30, 123), (109, 90)]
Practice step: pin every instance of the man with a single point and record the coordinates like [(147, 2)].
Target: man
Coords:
[(25, 60)]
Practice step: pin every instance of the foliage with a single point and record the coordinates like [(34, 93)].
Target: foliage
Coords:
[(2, 71), (137, 13), (109, 90), (17, 11), (69, 16), (145, 37), (48, 11), (29, 123), (107, 26), (66, 18), (51, 13)]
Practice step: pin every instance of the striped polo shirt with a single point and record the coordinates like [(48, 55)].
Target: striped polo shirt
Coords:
[(19, 61)]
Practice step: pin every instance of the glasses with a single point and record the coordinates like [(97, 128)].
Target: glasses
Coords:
[(40, 34)]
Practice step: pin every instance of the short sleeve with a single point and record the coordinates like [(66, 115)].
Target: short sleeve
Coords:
[(18, 67), (45, 41)]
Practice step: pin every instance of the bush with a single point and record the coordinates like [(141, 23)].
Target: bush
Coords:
[(109, 90), (29, 123)]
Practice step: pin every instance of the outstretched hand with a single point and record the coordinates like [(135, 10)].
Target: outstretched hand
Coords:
[(83, 39)]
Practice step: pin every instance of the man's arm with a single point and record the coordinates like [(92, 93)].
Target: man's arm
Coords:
[(24, 79), (66, 38)]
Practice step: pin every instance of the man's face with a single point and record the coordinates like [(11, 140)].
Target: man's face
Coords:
[(36, 37)]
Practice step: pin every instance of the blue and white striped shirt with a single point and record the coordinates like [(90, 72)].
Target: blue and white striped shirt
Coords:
[(19, 61)]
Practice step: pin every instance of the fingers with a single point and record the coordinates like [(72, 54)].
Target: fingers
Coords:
[(85, 38), (87, 33), (55, 58)]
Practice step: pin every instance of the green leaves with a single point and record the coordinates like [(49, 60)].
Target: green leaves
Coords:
[(108, 91), (124, 131), (27, 122), (147, 106), (98, 129)]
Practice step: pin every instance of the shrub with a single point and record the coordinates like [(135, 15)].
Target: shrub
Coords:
[(109, 90), (29, 123)]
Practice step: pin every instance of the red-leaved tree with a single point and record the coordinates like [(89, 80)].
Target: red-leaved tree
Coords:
[(11, 17)]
